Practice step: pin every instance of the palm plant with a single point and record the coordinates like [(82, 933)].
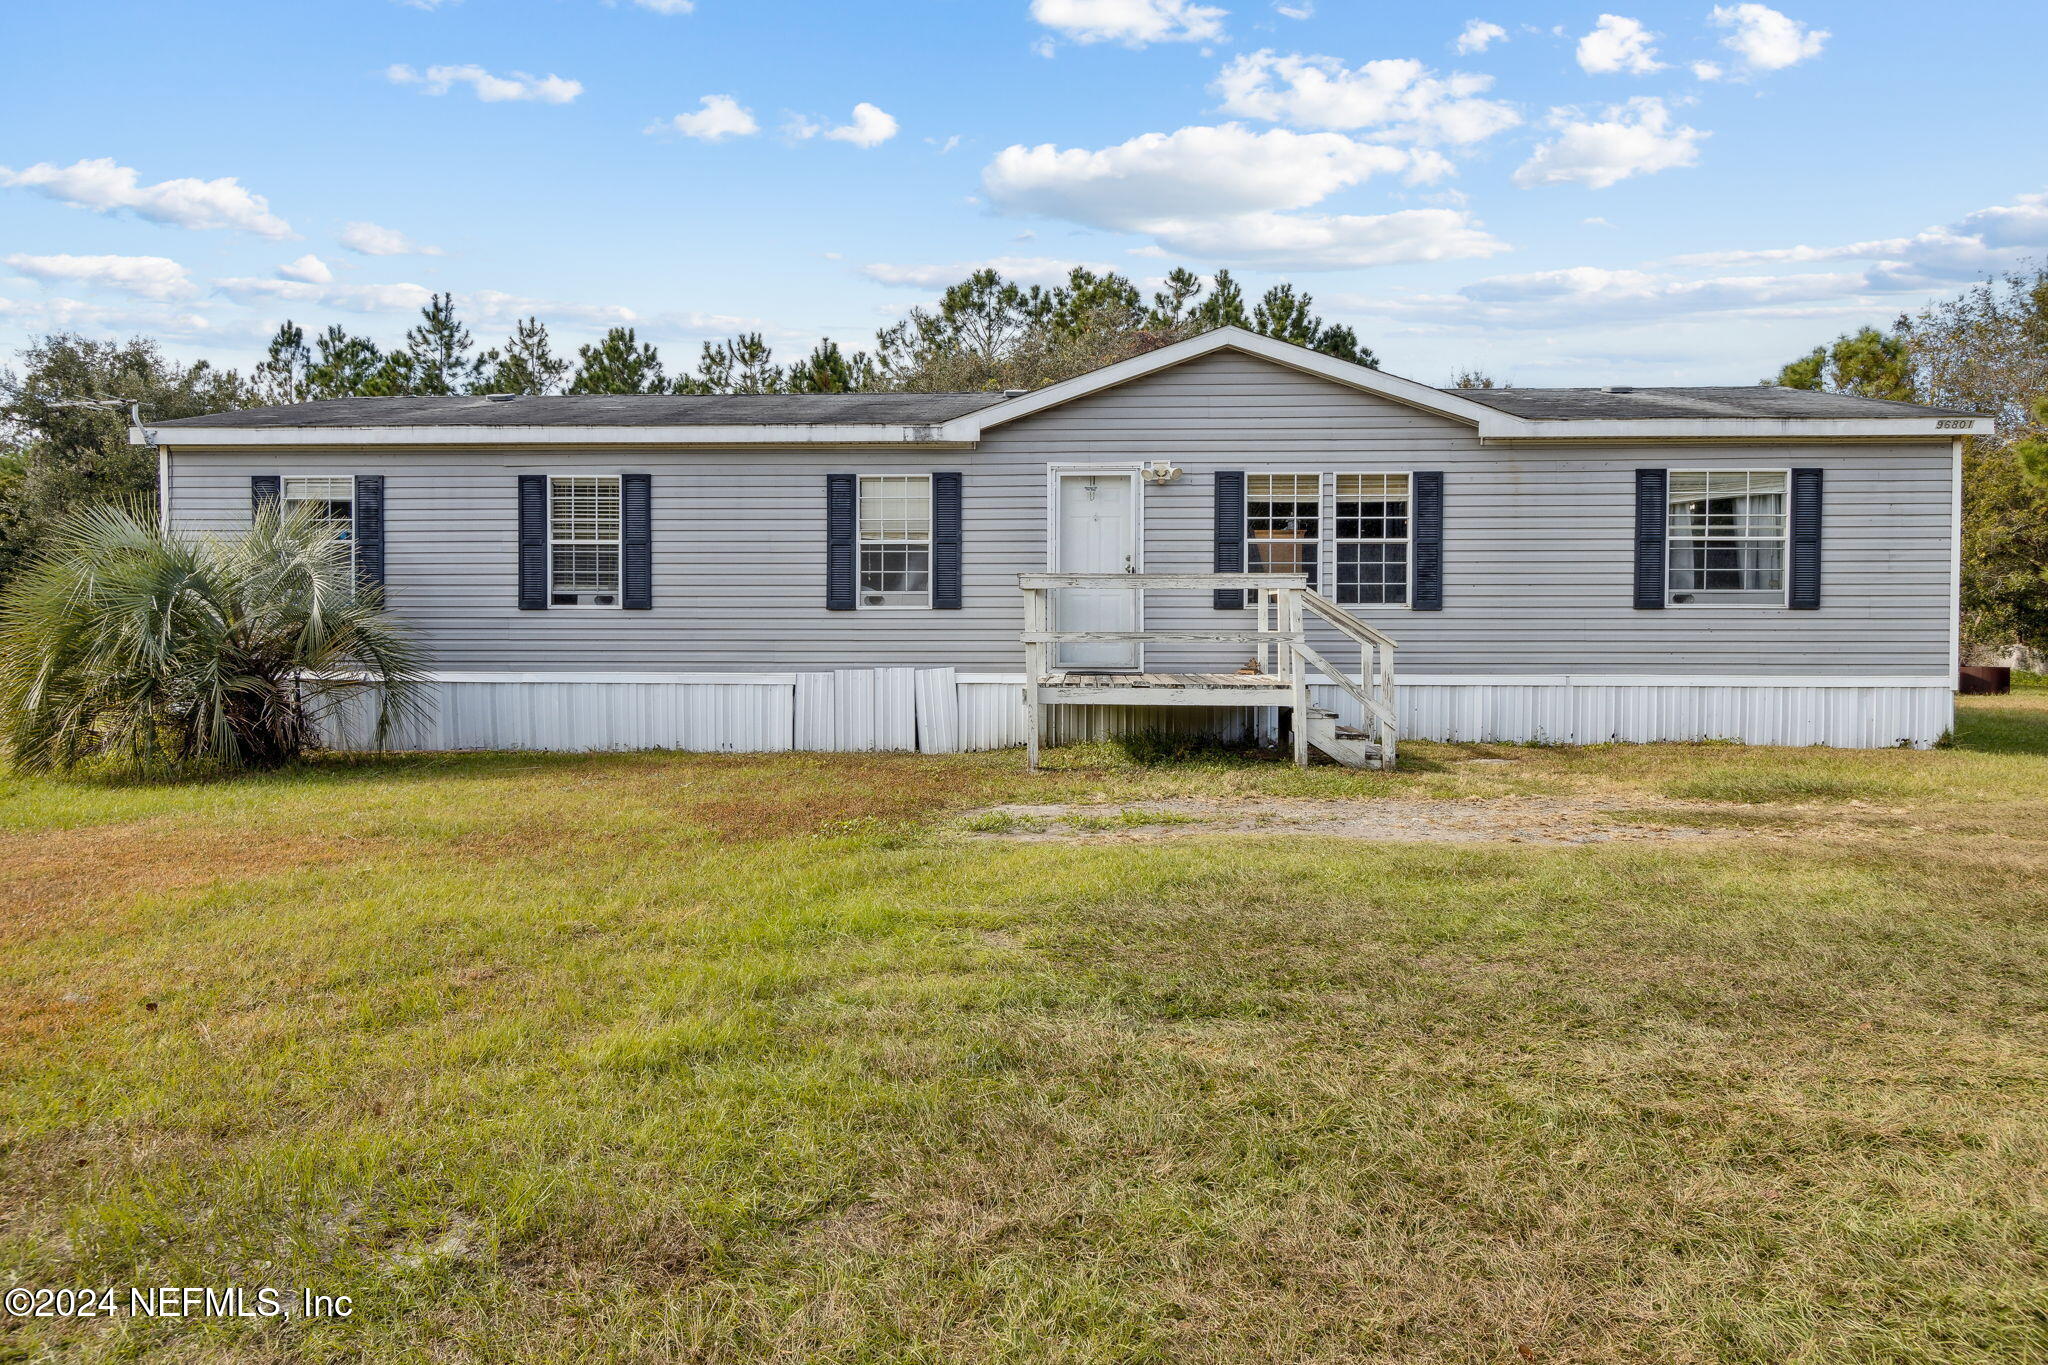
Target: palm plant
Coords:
[(165, 650)]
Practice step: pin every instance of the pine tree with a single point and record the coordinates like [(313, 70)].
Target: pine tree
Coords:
[(1223, 306), (1287, 316), (1171, 305), (620, 363), (829, 370), (527, 364), (439, 349), (743, 365), (342, 365), (283, 375)]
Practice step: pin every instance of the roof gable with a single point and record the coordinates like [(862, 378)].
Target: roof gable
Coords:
[(1363, 378)]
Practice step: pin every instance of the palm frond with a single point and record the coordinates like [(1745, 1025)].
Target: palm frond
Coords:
[(123, 640)]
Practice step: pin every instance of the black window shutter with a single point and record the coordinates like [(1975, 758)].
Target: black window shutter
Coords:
[(369, 530), (1229, 535), (946, 542), (1652, 509), (265, 488), (841, 513), (533, 542), (1427, 530), (1805, 594), (636, 541)]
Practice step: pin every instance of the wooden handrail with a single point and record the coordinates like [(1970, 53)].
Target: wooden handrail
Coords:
[(1344, 620), (1280, 640)]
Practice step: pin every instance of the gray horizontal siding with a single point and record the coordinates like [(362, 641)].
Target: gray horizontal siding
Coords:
[(1537, 554)]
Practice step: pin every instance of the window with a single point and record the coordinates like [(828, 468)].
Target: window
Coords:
[(895, 541), (1372, 539), (1283, 523), (583, 541), (1726, 538), (333, 500)]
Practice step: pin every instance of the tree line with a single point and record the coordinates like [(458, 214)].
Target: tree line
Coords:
[(984, 333), (1985, 350)]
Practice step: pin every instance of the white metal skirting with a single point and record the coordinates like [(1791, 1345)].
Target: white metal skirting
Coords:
[(935, 710)]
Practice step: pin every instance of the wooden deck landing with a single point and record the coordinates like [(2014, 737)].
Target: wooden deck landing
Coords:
[(1202, 680), (1164, 689)]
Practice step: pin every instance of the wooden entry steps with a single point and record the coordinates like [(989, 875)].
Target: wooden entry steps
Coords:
[(1285, 662)]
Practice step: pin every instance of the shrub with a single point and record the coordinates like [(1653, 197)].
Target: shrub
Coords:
[(161, 650)]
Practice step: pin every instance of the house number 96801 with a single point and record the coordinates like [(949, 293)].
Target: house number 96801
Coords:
[(1953, 424)]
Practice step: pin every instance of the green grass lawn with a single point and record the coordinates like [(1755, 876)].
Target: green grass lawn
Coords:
[(709, 1058)]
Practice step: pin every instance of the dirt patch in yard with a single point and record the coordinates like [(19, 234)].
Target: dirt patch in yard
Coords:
[(1513, 819)]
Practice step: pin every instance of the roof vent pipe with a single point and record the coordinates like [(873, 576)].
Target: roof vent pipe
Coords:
[(499, 397), (1015, 393)]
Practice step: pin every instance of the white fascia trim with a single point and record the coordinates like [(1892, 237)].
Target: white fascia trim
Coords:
[(1294, 357), (845, 434), (1493, 424), (1501, 427), (965, 432)]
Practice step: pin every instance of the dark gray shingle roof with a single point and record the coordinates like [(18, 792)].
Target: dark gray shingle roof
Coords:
[(808, 409), (607, 410), (1753, 400)]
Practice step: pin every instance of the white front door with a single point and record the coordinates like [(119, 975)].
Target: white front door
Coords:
[(1097, 532)]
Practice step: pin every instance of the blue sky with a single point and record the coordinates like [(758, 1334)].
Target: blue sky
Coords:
[(1654, 193)]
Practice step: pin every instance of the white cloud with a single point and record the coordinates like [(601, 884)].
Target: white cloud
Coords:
[(1309, 241), (1478, 35), (103, 186), (1707, 71), (439, 80), (350, 298), (1892, 272), (1636, 138), (1985, 241), (667, 6), (1305, 9), (368, 239), (1590, 293), (1022, 269), (1617, 44), (308, 268), (1193, 172), (1399, 97), (495, 306), (1765, 39), (1595, 222), (870, 127), (62, 314), (719, 118), (1224, 191), (148, 277), (1133, 23)]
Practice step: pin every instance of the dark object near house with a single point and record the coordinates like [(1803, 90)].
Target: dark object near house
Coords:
[(1982, 680)]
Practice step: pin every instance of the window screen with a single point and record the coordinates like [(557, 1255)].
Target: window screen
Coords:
[(1372, 539), (583, 541), (1726, 537), (895, 541), (1283, 523), (332, 499)]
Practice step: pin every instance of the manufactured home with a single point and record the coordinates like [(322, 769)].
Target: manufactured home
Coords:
[(1226, 532)]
